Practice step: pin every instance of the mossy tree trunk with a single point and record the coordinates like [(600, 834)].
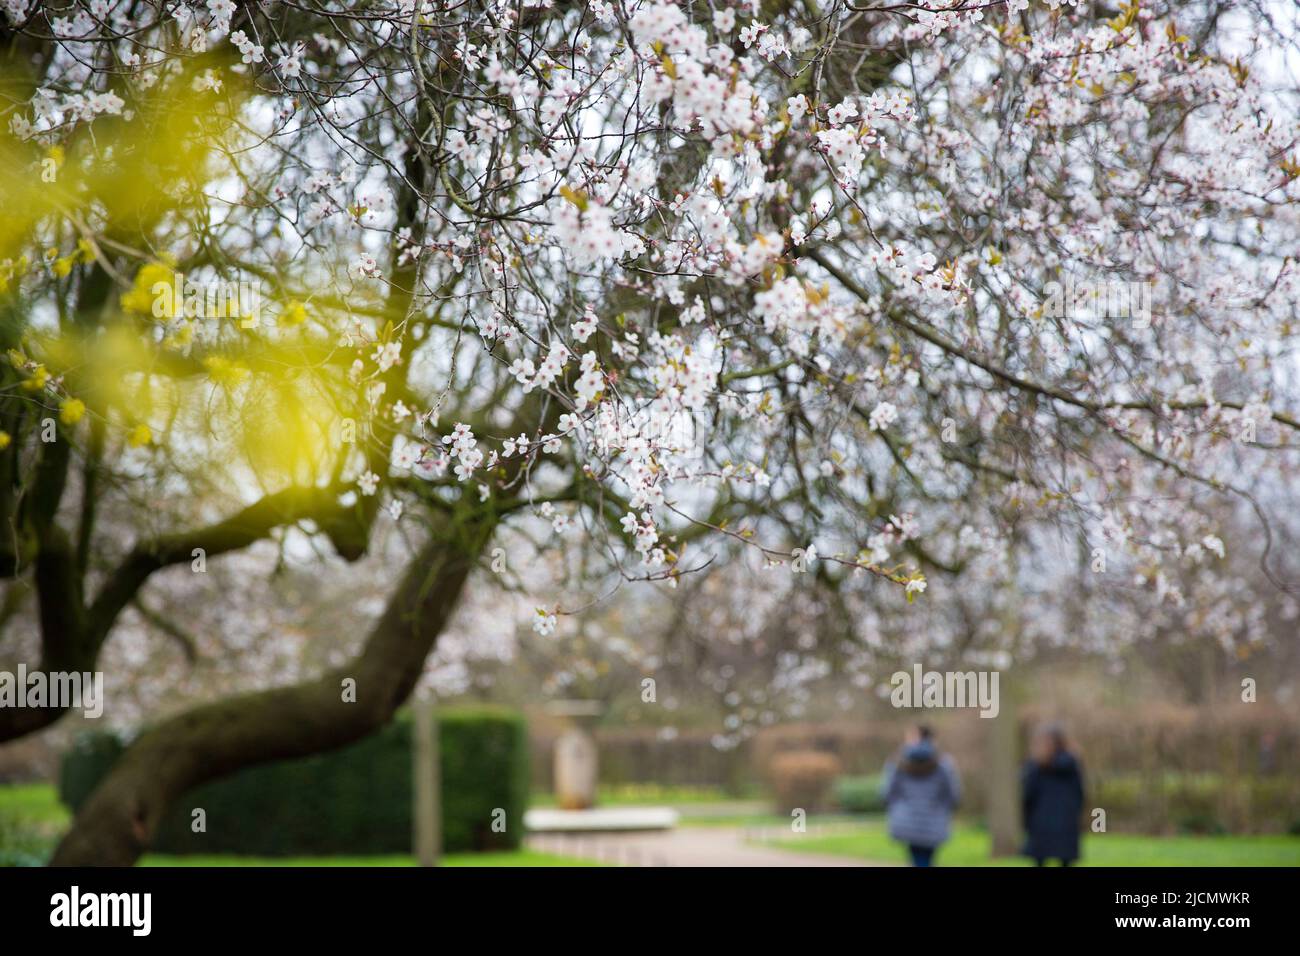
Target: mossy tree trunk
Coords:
[(119, 819)]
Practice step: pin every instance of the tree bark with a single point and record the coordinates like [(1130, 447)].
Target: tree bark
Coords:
[(72, 633), (1003, 783), (427, 789), (118, 821)]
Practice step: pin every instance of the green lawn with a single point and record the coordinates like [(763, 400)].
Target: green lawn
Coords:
[(970, 846), (32, 819), (34, 802)]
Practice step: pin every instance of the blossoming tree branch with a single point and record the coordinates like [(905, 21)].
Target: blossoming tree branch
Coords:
[(655, 285)]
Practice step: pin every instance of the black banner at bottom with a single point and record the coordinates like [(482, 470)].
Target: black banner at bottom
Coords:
[(335, 906)]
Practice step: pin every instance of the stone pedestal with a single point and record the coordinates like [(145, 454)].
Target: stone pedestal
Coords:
[(575, 770), (576, 764)]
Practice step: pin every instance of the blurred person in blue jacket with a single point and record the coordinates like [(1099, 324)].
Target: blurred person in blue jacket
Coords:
[(921, 792)]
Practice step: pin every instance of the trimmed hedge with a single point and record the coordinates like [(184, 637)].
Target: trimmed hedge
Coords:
[(864, 794), (356, 800), (484, 759), (83, 766)]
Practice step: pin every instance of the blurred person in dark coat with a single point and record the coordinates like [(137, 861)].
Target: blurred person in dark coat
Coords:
[(921, 792), (1052, 787)]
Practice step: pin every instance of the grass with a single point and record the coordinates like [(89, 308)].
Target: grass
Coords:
[(970, 846), (32, 819), (33, 802), (758, 818)]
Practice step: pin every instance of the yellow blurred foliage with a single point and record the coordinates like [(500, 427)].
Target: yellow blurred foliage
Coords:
[(219, 399), (117, 169)]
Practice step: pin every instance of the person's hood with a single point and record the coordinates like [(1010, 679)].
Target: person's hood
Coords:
[(920, 758), (1061, 762)]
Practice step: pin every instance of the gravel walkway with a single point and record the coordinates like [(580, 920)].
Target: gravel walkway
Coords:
[(683, 846)]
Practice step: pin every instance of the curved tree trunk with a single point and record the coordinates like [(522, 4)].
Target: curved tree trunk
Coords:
[(72, 632), (118, 821)]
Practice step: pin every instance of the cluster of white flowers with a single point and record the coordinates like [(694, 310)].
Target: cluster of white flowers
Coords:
[(898, 530), (387, 355), (366, 265), (289, 63), (15, 10), (882, 416), (697, 76), (843, 147), (683, 376), (591, 381), (221, 12), (645, 537), (589, 234), (464, 449), (51, 111), (785, 304), (585, 327), (754, 257), (250, 52)]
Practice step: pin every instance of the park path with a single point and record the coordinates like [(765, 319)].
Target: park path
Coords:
[(683, 846)]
